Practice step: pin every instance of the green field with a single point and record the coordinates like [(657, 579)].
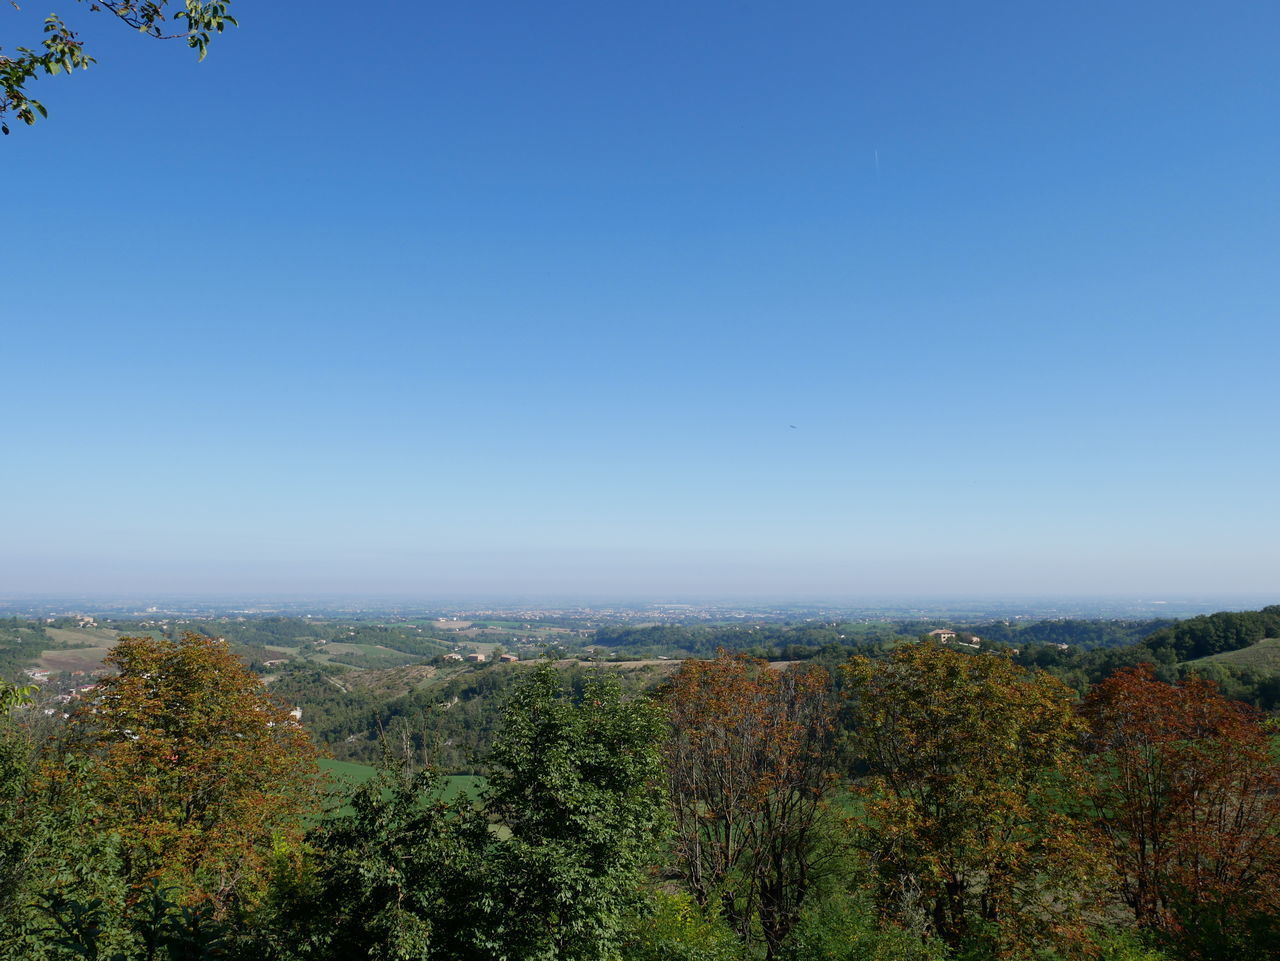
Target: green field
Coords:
[(352, 775), (1263, 656)]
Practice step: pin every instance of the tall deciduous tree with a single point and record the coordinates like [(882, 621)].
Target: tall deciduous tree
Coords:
[(970, 764), (750, 765), (1188, 792), (198, 769)]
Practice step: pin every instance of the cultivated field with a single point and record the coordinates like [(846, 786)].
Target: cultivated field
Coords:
[(91, 646), (1263, 656), (445, 625), (368, 655)]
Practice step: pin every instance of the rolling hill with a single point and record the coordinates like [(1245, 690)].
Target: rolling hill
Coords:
[(1263, 656)]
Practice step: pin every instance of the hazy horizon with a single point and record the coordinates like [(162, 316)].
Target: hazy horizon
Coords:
[(622, 574), (891, 607), (721, 299)]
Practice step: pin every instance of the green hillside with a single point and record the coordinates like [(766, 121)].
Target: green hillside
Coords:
[(1264, 656), (447, 713)]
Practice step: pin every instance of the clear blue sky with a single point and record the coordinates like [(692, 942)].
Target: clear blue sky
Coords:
[(519, 297)]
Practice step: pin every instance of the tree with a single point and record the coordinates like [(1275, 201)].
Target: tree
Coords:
[(16, 841), (544, 870), (61, 50), (970, 765), (197, 768), (670, 926), (1187, 792), (577, 784), (398, 877), (53, 848), (750, 764)]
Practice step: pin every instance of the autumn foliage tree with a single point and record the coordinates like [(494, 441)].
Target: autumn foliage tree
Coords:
[(1187, 790), (750, 763), (970, 765), (197, 769)]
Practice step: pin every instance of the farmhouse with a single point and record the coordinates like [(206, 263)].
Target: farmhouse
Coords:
[(477, 658)]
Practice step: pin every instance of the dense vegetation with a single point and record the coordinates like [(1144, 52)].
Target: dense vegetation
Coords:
[(914, 801), (1179, 651), (20, 645), (452, 718), (781, 641), (451, 715), (343, 671), (1216, 633), (800, 640)]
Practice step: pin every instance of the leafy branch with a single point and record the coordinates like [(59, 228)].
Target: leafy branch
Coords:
[(61, 50)]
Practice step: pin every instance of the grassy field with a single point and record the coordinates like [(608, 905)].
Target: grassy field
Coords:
[(82, 636), (1263, 656), (89, 646), (348, 774)]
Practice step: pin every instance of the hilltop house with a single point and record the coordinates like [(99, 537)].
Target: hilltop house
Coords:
[(944, 635)]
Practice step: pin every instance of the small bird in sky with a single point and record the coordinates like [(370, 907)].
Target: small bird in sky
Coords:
[(792, 426)]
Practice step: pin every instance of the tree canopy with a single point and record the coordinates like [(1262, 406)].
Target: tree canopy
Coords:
[(969, 827), (984, 814), (1187, 792), (196, 766), (750, 761)]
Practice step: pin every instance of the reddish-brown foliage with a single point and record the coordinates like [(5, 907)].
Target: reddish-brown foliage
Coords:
[(1188, 792), (198, 769), (750, 764)]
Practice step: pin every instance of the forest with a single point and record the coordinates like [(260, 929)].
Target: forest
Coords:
[(908, 801), (452, 716)]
